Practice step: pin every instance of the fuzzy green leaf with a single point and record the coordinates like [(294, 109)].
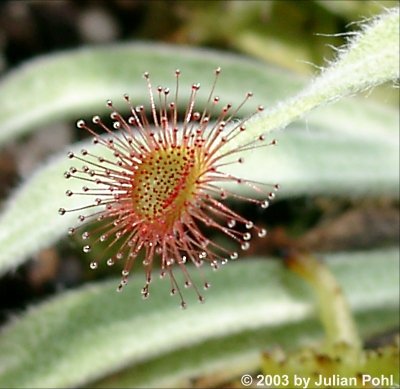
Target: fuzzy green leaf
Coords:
[(370, 58), (58, 343)]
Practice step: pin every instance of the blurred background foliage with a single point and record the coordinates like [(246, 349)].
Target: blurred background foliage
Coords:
[(292, 35), (287, 34)]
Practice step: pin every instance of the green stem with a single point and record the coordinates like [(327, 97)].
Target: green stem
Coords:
[(334, 309)]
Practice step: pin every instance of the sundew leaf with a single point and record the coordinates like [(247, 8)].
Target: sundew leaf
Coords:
[(316, 162), (58, 343), (329, 158)]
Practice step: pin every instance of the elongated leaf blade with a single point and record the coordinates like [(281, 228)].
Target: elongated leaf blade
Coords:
[(59, 343)]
